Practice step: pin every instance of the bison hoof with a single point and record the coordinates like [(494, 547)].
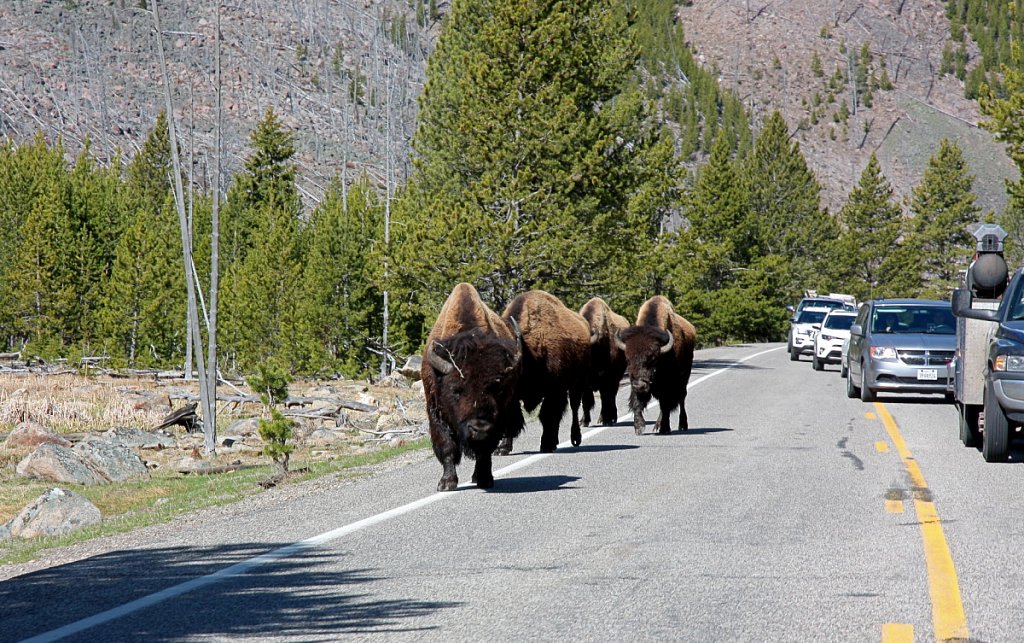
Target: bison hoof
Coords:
[(639, 428), (577, 439), (484, 483), (664, 431), (547, 448), (503, 450), (448, 484)]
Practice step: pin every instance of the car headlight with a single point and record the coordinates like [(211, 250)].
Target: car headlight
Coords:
[(827, 338), (1010, 363), (883, 352)]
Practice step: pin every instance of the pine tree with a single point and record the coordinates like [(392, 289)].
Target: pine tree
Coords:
[(943, 205), (341, 302), (871, 228), (528, 149), (786, 210)]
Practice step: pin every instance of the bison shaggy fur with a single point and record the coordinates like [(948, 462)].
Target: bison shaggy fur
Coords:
[(659, 356), (471, 367), (556, 360), (607, 360)]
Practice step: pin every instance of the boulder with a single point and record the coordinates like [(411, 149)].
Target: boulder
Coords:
[(54, 513), (139, 439), (411, 368), (324, 438), (59, 464), (31, 434), (244, 426), (394, 380), (115, 462)]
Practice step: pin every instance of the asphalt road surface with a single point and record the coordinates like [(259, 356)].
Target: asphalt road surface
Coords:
[(788, 512)]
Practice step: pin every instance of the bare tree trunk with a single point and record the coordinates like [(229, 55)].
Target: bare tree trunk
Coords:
[(211, 372), (179, 199)]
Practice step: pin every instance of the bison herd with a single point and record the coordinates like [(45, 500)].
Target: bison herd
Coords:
[(481, 369)]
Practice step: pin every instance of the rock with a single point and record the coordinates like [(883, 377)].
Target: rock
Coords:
[(418, 386), (139, 439), (395, 380), (59, 464), (54, 513), (396, 442), (324, 438), (115, 462), (190, 465), (32, 434), (244, 426), (411, 368), (150, 401)]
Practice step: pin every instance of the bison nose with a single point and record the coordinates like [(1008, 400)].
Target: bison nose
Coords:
[(478, 429)]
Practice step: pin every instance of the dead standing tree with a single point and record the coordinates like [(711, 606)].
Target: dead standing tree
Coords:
[(207, 397)]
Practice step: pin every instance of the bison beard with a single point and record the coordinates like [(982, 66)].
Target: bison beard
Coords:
[(471, 403), (659, 353)]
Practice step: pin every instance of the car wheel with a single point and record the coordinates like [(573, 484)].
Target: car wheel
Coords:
[(995, 439), (866, 394), (816, 363), (843, 370), (851, 390), (969, 414), (794, 353)]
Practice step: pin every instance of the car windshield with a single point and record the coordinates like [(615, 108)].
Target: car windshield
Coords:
[(820, 303), (937, 320), (811, 316), (839, 322)]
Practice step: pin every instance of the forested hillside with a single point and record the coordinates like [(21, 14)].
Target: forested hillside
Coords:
[(586, 148)]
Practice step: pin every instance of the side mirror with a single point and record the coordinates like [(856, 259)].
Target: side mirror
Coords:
[(961, 301), (790, 308), (856, 329), (816, 326)]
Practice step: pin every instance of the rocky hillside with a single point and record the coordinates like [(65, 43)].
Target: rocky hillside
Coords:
[(765, 52), (345, 75)]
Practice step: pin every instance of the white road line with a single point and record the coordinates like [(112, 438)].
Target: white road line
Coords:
[(284, 552)]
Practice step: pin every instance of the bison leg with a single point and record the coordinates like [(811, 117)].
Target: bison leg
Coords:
[(551, 412), (684, 422), (588, 403), (448, 454), (482, 476), (609, 412), (575, 394), (504, 447)]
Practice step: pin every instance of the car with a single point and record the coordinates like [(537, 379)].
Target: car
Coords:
[(902, 346), (846, 302), (844, 360), (802, 329), (828, 342)]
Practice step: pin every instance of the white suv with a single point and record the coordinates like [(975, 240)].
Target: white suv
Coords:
[(802, 329), (828, 343)]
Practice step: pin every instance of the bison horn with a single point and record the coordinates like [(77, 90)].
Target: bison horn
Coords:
[(594, 337), (668, 345), (519, 341), (440, 364), (618, 342)]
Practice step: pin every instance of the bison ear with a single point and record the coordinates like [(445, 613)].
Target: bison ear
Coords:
[(440, 364)]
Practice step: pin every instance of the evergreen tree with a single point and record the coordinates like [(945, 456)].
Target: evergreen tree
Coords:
[(528, 153), (871, 228), (1005, 110), (341, 303), (943, 205), (785, 207)]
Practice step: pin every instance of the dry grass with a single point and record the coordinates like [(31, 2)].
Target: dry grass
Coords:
[(70, 403)]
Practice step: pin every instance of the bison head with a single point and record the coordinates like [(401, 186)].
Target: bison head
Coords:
[(476, 374), (643, 347)]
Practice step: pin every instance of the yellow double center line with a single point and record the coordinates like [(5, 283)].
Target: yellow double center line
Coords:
[(948, 618)]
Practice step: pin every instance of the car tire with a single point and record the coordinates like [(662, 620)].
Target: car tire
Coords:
[(852, 391), (843, 370), (816, 363), (866, 394), (794, 354), (995, 439), (969, 415)]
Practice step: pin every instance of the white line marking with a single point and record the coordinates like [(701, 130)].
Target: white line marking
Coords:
[(283, 552)]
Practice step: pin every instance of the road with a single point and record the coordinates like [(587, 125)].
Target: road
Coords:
[(788, 512)]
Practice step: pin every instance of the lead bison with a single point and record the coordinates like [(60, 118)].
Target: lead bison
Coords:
[(556, 358), (471, 367), (659, 353), (607, 360)]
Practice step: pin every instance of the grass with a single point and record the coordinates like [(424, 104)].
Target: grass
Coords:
[(165, 496)]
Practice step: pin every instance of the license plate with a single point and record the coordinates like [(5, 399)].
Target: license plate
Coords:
[(929, 374)]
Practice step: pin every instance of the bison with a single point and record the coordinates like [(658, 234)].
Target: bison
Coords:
[(556, 359), (471, 367), (659, 356), (607, 361)]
